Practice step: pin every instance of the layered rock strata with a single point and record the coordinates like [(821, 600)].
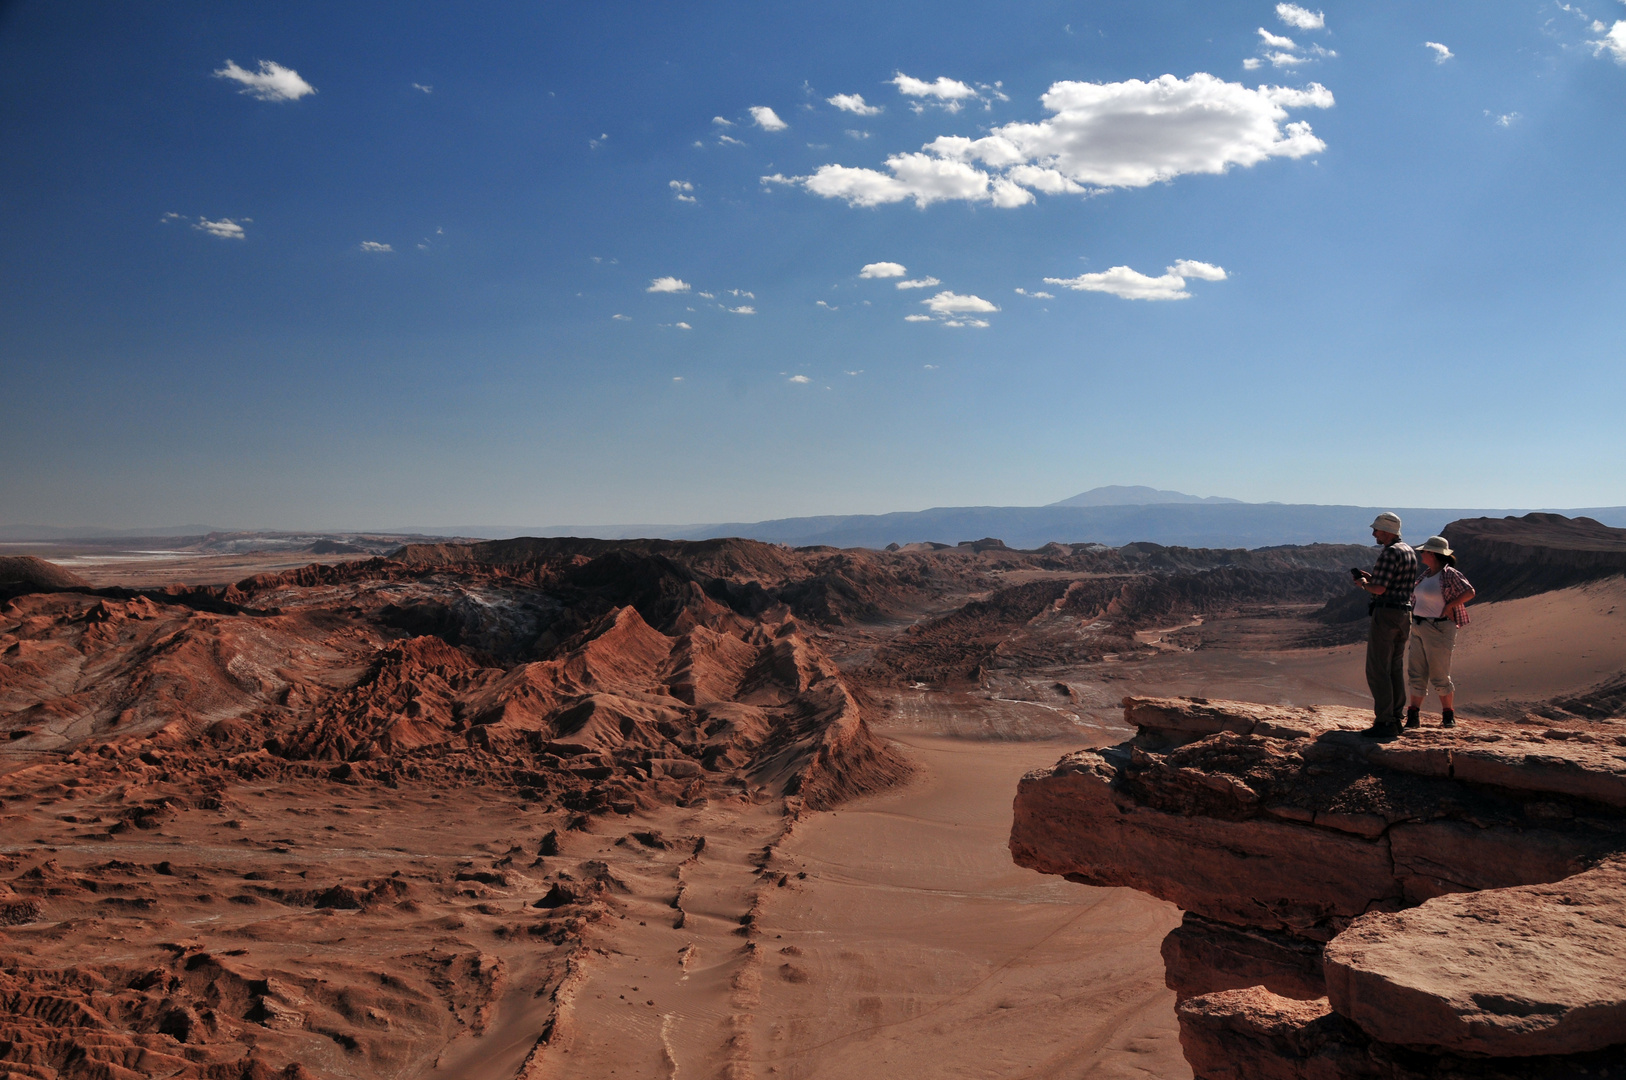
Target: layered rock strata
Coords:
[(1450, 903)]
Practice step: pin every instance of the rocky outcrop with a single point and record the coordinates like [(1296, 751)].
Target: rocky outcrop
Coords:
[(1419, 907), (1510, 557)]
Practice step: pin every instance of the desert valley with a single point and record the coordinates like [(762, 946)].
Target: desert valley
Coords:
[(578, 808)]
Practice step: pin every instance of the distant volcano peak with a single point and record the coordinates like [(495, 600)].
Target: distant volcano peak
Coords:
[(1136, 495)]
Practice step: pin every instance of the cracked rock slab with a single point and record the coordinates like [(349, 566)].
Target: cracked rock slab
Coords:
[(1517, 972)]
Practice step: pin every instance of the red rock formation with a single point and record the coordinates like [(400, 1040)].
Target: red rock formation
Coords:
[(1437, 889)]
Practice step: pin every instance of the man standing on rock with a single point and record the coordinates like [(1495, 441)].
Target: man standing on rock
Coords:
[(1390, 584)]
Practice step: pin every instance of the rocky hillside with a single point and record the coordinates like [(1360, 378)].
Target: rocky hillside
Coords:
[(1507, 558), (1451, 904)]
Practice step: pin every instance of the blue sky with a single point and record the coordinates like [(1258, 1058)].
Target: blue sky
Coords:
[(329, 266)]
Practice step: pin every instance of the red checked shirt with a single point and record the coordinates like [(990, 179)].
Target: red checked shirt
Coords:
[(1453, 586)]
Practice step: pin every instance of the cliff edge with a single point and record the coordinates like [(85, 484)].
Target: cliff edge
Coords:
[(1449, 904)]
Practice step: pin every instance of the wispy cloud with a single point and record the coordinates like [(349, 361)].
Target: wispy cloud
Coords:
[(1441, 53), (684, 326), (374, 245), (767, 119), (853, 103), (722, 122), (729, 140), (917, 318), (681, 190), (1504, 119), (622, 318), (1133, 285), (1614, 42), (800, 379), (668, 285), (919, 283), (424, 87), (272, 82), (743, 309), (225, 228), (1037, 295), (1099, 136), (1277, 41), (598, 142), (1303, 18), (945, 92), (883, 270)]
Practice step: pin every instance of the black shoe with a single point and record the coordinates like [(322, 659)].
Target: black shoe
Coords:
[(1449, 719), (1381, 731), (1414, 718)]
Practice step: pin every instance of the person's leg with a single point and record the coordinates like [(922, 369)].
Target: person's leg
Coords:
[(1416, 680), (1385, 668), (1440, 674), (1397, 668)]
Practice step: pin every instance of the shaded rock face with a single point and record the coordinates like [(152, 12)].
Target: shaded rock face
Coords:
[(1421, 907), (1510, 557)]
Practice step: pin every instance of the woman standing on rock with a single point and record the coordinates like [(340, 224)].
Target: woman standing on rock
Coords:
[(1438, 608)]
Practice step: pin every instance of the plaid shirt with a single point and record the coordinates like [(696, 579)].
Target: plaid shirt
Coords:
[(1453, 586), (1397, 572)]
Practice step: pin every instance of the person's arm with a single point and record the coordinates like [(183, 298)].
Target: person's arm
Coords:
[(1459, 603), (1377, 582)]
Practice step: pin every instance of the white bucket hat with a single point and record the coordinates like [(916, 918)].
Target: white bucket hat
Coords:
[(1440, 546), (1389, 523)]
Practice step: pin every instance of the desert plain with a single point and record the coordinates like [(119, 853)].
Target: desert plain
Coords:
[(634, 809)]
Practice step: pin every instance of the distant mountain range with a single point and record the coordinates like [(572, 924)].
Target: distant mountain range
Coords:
[(1112, 516)]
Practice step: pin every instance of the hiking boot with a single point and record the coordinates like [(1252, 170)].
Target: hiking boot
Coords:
[(1381, 731), (1449, 719), (1414, 718)]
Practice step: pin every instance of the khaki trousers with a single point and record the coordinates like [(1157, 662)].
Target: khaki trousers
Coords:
[(1386, 663), (1428, 662)]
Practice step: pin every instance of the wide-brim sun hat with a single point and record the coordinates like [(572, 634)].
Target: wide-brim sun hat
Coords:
[(1439, 545), (1387, 523)]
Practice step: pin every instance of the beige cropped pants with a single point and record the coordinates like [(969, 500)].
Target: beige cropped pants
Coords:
[(1428, 657)]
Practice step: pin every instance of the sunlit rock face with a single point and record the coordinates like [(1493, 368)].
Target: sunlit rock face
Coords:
[(1447, 904)]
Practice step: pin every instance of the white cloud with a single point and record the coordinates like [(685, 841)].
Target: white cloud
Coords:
[(681, 189), (919, 283), (1303, 18), (1276, 41), (951, 303), (917, 318), (667, 284), (374, 245), (729, 140), (1133, 285), (225, 228), (747, 293), (721, 122), (596, 143), (677, 378), (1441, 53), (425, 88), (1613, 42), (683, 326), (883, 270), (1037, 294), (1101, 135), (767, 119), (1505, 119), (272, 82), (800, 379), (622, 318), (853, 103), (826, 306), (1251, 63), (1286, 60), (982, 324), (943, 89), (854, 133)]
